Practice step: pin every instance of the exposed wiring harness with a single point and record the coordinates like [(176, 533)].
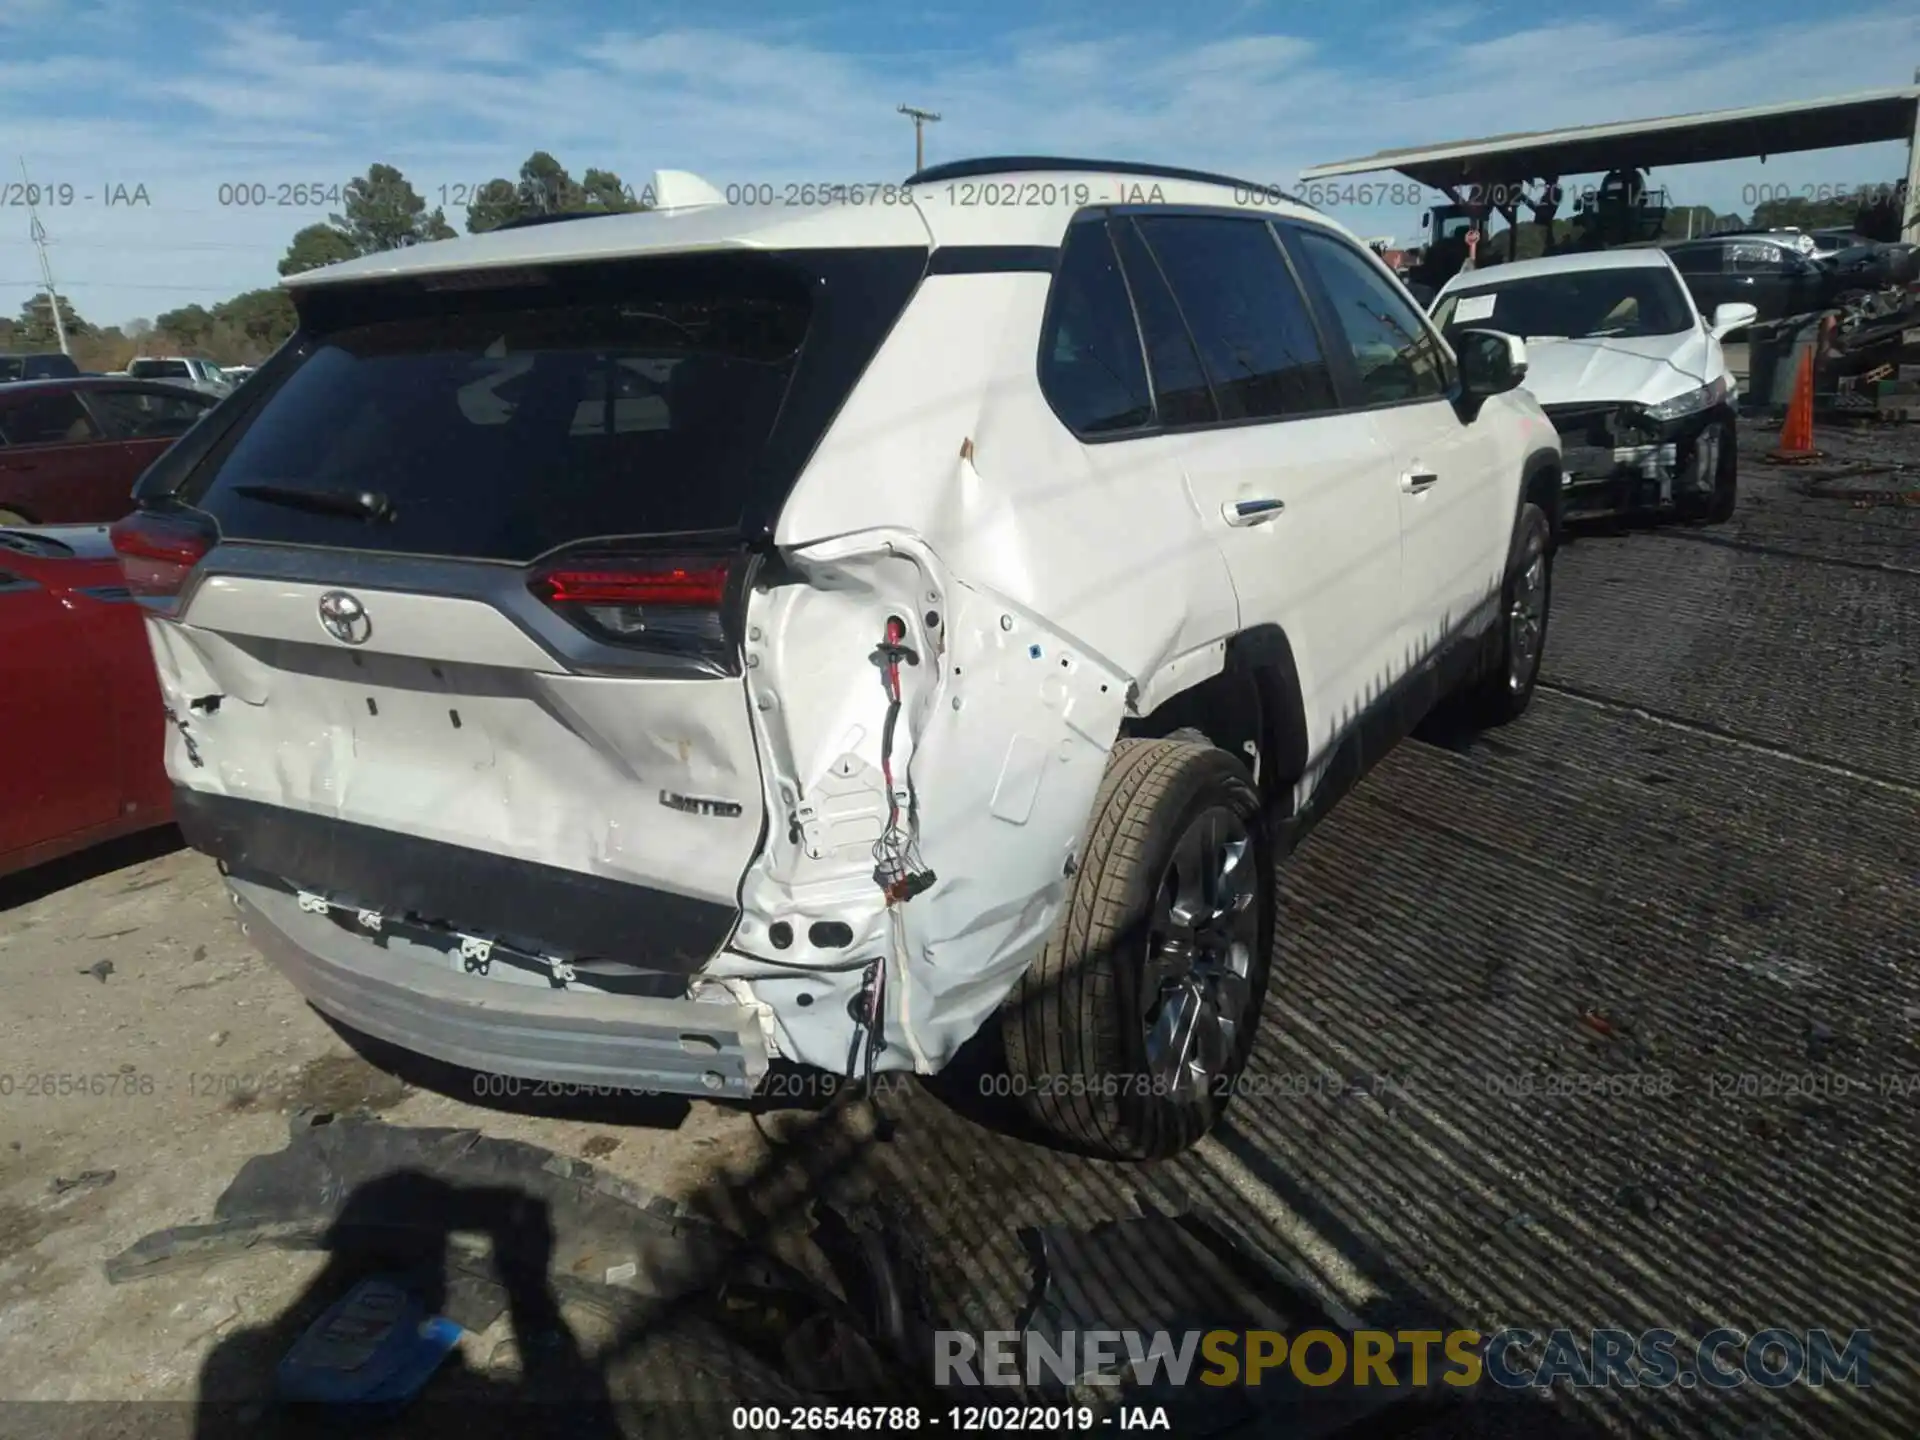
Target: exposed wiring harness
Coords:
[(898, 869), (867, 1009)]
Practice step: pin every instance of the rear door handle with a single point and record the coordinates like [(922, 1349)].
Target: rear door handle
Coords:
[(1418, 482), (1251, 512)]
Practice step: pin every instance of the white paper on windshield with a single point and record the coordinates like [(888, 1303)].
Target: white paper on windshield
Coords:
[(1473, 307)]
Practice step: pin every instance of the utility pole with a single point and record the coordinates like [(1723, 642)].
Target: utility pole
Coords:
[(39, 234), (920, 118)]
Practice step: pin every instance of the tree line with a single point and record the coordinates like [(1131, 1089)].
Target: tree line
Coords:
[(380, 210)]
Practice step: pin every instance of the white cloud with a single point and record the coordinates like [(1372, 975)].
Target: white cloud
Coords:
[(454, 101)]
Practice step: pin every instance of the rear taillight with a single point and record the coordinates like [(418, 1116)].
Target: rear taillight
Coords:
[(157, 554), (678, 603)]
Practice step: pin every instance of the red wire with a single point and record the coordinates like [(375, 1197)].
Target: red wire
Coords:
[(896, 632)]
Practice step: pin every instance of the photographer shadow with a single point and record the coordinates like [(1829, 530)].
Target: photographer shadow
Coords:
[(424, 1229)]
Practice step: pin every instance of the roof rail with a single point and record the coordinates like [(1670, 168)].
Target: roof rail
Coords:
[(1012, 164), (520, 222)]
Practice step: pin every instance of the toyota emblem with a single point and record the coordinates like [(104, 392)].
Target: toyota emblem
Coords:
[(344, 618)]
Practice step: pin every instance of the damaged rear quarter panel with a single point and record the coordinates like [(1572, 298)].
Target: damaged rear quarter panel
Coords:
[(949, 488), (1003, 737)]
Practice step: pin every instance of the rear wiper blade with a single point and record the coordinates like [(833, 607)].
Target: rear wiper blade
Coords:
[(354, 504)]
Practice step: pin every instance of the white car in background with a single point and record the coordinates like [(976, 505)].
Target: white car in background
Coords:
[(1626, 367), (201, 375)]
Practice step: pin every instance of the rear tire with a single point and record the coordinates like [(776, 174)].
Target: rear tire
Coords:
[(1526, 600), (1128, 1034)]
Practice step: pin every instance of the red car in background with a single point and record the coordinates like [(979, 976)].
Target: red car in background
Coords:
[(71, 449), (82, 728)]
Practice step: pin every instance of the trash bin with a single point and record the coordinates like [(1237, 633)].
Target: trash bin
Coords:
[(1766, 345)]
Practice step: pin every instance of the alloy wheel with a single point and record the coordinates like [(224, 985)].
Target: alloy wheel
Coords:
[(1526, 622), (1200, 949)]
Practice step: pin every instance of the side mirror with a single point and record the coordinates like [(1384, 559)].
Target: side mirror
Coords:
[(1729, 318), (1492, 362)]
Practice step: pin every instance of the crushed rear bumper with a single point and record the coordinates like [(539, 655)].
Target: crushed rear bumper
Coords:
[(409, 994)]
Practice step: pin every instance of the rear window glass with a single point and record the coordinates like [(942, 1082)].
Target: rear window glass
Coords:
[(160, 370), (503, 425)]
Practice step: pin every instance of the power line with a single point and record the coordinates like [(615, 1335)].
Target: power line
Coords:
[(921, 119)]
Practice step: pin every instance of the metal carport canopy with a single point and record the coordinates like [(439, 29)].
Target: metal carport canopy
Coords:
[(1762, 130)]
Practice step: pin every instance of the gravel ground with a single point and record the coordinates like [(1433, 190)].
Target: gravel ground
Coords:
[(1611, 1018)]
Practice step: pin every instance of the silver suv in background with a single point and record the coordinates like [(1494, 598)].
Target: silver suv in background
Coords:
[(202, 375)]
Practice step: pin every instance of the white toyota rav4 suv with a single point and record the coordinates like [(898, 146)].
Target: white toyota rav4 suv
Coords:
[(619, 651)]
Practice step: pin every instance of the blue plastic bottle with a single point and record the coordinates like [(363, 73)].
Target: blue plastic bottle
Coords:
[(374, 1348)]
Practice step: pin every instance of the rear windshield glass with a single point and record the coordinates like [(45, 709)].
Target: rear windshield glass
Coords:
[(1618, 303), (160, 370), (501, 425)]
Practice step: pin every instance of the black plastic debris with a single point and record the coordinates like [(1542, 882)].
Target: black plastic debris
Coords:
[(1824, 1043), (1638, 1198), (100, 969), (607, 1233), (1176, 1275), (85, 1180)]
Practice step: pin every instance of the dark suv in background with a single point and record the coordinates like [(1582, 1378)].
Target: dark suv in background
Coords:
[(53, 366), (1778, 276), (1764, 271)]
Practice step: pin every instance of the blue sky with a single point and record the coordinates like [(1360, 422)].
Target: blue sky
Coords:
[(182, 98)]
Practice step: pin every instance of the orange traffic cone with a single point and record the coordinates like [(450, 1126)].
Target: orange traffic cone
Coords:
[(1796, 436)]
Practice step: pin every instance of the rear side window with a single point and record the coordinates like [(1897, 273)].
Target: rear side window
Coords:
[(621, 399), (56, 418), (1697, 259), (1756, 257), (1253, 329), (145, 415), (1091, 369), (1180, 390), (1395, 356)]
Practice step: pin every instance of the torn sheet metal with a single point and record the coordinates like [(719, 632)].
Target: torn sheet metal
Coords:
[(998, 750)]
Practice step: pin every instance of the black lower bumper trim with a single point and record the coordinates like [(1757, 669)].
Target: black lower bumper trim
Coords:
[(470, 890)]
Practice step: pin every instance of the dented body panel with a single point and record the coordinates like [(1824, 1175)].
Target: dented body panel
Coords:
[(1003, 735), (531, 763)]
